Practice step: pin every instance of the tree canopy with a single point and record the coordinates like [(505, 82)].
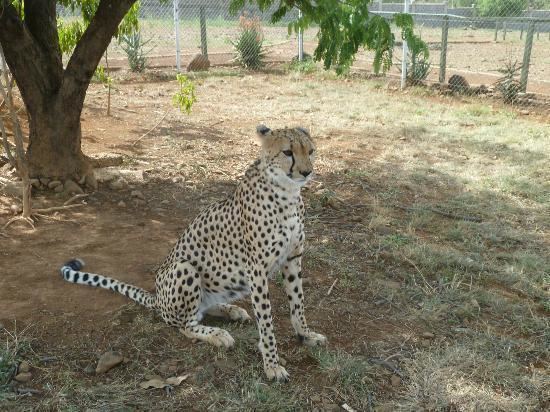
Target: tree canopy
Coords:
[(345, 26)]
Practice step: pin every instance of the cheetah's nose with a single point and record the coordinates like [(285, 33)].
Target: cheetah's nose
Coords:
[(306, 173)]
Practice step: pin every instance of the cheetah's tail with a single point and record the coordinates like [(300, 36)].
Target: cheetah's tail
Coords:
[(71, 272)]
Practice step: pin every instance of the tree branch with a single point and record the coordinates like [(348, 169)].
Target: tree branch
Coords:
[(22, 53), (90, 49), (41, 21)]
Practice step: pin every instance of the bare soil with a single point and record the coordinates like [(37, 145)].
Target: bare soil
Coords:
[(354, 232)]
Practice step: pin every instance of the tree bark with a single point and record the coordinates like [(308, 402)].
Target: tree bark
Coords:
[(54, 97)]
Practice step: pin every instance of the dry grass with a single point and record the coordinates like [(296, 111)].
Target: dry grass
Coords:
[(459, 307)]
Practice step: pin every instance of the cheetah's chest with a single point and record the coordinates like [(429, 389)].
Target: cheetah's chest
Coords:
[(288, 240)]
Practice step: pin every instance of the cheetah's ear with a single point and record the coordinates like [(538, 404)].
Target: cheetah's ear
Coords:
[(263, 130), (304, 131)]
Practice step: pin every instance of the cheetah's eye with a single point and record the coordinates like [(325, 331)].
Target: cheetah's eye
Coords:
[(310, 152), (287, 153)]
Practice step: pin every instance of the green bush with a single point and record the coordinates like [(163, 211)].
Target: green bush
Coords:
[(501, 8), (509, 85), (185, 96), (249, 46), (132, 45)]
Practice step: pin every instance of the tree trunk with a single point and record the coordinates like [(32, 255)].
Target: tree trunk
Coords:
[(54, 140), (54, 97)]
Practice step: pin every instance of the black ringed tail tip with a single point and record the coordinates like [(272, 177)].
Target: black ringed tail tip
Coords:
[(75, 264)]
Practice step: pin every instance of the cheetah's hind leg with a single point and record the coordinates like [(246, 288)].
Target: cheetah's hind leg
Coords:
[(231, 312), (187, 305)]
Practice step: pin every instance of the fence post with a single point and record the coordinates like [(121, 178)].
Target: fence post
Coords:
[(496, 30), (204, 47), (177, 33), (405, 51), (443, 55), (521, 32), (527, 56), (300, 40), (504, 30)]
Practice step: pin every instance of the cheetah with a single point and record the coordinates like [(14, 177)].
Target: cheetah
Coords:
[(232, 248)]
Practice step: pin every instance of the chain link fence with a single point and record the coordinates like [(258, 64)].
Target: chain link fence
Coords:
[(495, 46), (499, 47)]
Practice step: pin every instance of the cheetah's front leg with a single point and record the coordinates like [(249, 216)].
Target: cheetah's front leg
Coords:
[(292, 279), (262, 312)]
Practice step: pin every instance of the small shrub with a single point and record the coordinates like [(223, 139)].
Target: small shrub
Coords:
[(132, 44), (185, 97), (501, 8), (419, 70), (250, 53), (101, 76), (306, 66), (508, 85), (418, 62)]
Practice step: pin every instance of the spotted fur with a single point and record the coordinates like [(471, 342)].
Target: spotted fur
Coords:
[(231, 249)]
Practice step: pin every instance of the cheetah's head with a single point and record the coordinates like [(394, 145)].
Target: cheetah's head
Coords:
[(290, 152)]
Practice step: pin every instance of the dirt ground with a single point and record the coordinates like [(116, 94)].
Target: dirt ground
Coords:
[(386, 277)]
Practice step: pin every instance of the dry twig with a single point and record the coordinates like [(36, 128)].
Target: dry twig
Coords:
[(332, 287), (152, 128)]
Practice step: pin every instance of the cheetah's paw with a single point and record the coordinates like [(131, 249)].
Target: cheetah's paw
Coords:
[(219, 338), (277, 373), (313, 339), (239, 314)]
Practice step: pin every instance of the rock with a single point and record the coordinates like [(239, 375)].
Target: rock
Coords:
[(72, 188), (121, 204), (14, 189), (23, 377), (118, 184), (177, 179), (58, 189), (165, 202), (54, 183), (138, 194), (24, 367), (524, 112), (100, 160), (395, 380), (35, 183), (44, 181), (108, 361), (16, 209), (91, 181), (459, 84), (107, 174), (428, 335), (139, 202), (199, 63)]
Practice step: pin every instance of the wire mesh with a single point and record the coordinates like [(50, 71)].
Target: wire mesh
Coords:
[(487, 41), (483, 39)]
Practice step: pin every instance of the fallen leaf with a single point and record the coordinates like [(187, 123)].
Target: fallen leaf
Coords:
[(176, 380), (153, 383), (108, 360), (159, 383)]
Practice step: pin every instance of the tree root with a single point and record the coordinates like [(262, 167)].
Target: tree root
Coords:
[(40, 212), (14, 219)]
